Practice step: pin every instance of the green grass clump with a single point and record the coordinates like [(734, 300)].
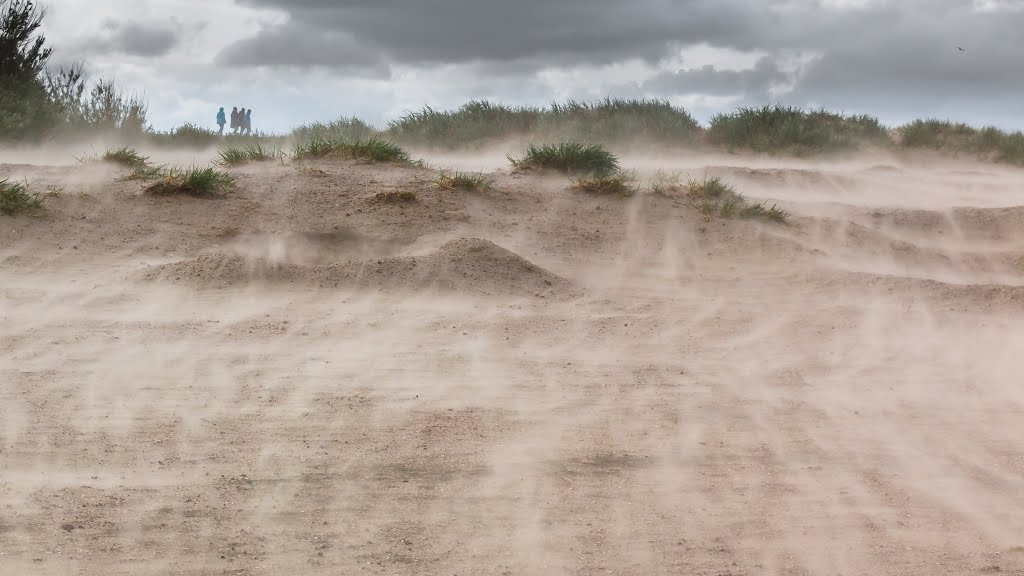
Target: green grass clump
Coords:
[(568, 157), (622, 183), (462, 181), (126, 156), (788, 130), (710, 189), (145, 173), (236, 155), (374, 150), (713, 196), (988, 143), (16, 199), (371, 149), (192, 182), (315, 148)]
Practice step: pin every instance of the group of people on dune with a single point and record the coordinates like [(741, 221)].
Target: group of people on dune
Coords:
[(241, 120)]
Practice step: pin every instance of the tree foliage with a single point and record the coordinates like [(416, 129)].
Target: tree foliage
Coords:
[(36, 101)]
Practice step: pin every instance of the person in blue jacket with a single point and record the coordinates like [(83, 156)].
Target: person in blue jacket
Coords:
[(221, 120), (247, 122)]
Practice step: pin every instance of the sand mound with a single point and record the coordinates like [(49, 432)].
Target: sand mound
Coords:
[(465, 265)]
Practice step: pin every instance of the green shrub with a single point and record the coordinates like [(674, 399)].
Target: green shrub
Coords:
[(568, 157)]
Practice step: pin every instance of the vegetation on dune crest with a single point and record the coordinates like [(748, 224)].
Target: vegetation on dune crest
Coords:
[(345, 129), (370, 149), (475, 121), (568, 157), (788, 130), (39, 102), (15, 199), (202, 182), (988, 143), (462, 181), (609, 120)]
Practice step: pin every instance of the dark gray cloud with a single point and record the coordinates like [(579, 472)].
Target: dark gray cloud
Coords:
[(904, 47), (135, 39), (708, 80), (445, 31), (293, 47)]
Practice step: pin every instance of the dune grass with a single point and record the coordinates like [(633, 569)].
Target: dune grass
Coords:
[(714, 196), (987, 143), (16, 198), (237, 155), (568, 157), (666, 184), (125, 156), (145, 173), (462, 181), (788, 130), (710, 189), (340, 129), (603, 121), (193, 181), (621, 183), (369, 149)]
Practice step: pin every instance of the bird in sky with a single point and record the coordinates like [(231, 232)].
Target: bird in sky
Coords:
[(961, 49)]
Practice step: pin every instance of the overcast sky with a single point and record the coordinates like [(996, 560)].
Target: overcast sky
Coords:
[(296, 61)]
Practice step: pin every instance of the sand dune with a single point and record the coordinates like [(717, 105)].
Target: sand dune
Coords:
[(298, 378)]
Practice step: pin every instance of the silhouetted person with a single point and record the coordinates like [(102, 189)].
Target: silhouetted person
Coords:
[(221, 120), (241, 121), (234, 120), (247, 122)]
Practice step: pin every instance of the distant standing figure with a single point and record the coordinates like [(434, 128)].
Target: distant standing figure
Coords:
[(247, 122), (234, 119), (221, 120), (241, 121)]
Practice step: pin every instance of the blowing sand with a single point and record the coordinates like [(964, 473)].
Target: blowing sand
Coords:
[(300, 379)]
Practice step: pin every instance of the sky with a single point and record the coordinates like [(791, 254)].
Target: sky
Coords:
[(299, 61)]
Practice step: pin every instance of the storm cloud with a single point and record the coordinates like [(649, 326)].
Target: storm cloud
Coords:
[(135, 39), (856, 52), (897, 59)]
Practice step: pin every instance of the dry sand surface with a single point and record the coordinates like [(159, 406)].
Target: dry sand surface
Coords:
[(304, 378)]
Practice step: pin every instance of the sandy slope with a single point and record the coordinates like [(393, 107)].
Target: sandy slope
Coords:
[(302, 379)]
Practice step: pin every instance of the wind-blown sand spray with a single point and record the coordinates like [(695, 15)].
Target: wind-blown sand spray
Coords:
[(686, 397)]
